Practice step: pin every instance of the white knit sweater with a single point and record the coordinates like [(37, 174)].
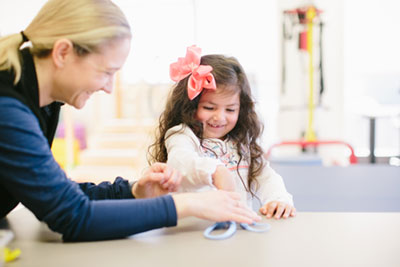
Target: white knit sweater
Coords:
[(197, 164)]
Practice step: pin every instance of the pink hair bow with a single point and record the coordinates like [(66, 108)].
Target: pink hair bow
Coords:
[(201, 76)]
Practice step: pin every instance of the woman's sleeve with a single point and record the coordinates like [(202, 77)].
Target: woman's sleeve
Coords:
[(30, 175), (272, 187), (183, 154), (119, 189)]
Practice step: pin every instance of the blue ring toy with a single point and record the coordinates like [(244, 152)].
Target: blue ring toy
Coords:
[(229, 225), (262, 227)]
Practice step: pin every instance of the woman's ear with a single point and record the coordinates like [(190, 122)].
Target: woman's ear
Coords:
[(63, 49)]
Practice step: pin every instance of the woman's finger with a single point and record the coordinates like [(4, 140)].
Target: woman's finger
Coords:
[(233, 195), (152, 177), (243, 213), (158, 167)]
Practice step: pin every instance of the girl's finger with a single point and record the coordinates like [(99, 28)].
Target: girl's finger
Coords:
[(271, 207), (279, 210), (293, 212), (288, 211), (263, 210)]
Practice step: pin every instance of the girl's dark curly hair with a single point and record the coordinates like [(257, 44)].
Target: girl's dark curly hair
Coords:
[(229, 75)]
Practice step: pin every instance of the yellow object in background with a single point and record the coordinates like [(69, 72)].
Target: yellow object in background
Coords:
[(310, 15), (10, 255), (59, 150)]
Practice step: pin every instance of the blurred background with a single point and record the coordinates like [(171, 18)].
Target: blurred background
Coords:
[(325, 75)]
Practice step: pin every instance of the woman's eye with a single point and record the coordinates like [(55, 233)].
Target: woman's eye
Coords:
[(108, 72)]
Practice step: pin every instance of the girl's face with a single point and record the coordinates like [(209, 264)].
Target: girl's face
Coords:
[(219, 112), (94, 72)]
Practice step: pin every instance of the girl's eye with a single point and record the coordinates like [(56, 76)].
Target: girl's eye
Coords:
[(208, 108), (230, 110)]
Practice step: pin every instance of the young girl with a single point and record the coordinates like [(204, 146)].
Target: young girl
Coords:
[(209, 132)]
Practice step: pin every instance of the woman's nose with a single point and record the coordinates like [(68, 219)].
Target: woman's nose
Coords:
[(108, 87)]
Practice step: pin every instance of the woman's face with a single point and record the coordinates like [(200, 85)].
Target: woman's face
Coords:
[(219, 112), (85, 75)]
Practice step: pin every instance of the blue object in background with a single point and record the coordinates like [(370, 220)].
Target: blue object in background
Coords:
[(356, 188)]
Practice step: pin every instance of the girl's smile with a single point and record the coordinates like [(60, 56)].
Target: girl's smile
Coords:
[(218, 112)]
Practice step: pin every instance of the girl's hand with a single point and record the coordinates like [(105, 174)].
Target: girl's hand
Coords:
[(223, 180), (277, 210), (159, 179), (217, 206)]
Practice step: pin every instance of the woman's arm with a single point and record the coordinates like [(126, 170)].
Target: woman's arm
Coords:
[(216, 206), (119, 189), (30, 175)]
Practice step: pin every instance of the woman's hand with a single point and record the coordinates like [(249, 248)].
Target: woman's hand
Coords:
[(278, 210), (159, 179), (216, 206)]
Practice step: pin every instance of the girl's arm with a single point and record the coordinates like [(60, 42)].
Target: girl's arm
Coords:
[(275, 199), (223, 180), (183, 149)]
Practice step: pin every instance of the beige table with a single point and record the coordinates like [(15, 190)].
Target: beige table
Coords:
[(310, 239)]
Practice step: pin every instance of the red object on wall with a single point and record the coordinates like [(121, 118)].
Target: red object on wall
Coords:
[(301, 13), (303, 144), (303, 40)]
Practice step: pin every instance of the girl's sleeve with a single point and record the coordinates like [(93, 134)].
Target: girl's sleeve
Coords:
[(183, 154), (272, 187), (30, 175)]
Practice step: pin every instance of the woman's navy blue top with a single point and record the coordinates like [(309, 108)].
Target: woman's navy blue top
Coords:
[(30, 175)]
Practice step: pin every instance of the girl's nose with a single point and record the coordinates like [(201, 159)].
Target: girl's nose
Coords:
[(217, 115)]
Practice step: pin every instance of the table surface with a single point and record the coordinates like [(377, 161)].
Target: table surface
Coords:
[(310, 239)]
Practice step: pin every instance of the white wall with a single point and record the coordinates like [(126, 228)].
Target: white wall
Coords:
[(16, 15), (247, 30), (372, 74), (251, 31), (293, 115)]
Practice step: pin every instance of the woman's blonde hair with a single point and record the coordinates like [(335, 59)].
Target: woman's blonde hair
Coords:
[(86, 23)]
